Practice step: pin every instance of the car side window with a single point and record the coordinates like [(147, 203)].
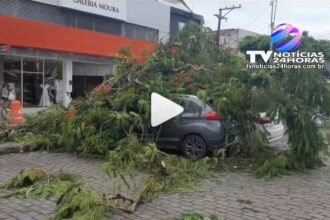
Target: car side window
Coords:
[(191, 110)]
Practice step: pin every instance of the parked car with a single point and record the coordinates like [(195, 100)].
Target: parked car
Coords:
[(273, 129), (196, 131), (327, 78), (199, 130), (319, 119)]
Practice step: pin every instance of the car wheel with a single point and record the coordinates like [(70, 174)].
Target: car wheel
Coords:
[(194, 147)]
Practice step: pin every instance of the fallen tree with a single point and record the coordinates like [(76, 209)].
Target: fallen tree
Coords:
[(113, 121)]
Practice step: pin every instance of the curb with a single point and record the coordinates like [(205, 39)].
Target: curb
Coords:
[(10, 148)]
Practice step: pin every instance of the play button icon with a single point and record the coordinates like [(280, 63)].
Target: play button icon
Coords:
[(163, 109)]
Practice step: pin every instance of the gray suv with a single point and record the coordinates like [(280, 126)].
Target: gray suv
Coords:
[(197, 131)]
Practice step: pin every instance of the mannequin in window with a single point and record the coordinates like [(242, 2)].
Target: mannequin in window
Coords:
[(44, 99)]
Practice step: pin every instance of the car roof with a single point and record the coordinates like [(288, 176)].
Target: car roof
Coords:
[(188, 96)]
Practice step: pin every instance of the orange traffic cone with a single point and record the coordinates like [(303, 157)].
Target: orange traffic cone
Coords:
[(16, 116)]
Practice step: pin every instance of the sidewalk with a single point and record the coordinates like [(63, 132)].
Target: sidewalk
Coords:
[(230, 196), (32, 111)]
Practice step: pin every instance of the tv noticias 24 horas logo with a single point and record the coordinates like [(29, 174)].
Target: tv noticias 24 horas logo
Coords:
[(286, 40)]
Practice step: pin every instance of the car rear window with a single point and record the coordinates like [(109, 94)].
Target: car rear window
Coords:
[(208, 107)]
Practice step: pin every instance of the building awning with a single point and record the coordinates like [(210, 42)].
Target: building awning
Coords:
[(17, 32)]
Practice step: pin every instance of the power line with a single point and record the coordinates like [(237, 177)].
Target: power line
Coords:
[(257, 18), (261, 27), (252, 14), (254, 19)]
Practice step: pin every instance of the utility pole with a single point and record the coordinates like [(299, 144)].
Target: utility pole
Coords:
[(220, 17), (273, 4)]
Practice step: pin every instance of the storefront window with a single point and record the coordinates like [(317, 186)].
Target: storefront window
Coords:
[(33, 82), (10, 74), (87, 76), (54, 80), (37, 82)]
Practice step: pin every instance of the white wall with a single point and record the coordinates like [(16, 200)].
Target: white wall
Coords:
[(100, 7), (76, 5), (67, 81), (67, 75), (150, 13)]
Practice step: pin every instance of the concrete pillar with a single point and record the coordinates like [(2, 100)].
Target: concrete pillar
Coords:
[(123, 30), (1, 71), (67, 81)]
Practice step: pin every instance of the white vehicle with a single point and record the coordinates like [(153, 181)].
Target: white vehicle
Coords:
[(319, 119), (274, 130), (327, 79)]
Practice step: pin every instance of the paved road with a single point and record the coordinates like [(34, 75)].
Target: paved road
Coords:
[(231, 196)]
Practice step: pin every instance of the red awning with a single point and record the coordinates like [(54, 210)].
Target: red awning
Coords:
[(39, 35)]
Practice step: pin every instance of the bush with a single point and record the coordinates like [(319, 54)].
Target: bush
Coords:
[(306, 141), (48, 121), (279, 165), (74, 200), (169, 173), (80, 204)]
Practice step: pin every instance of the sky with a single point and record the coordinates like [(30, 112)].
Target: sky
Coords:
[(307, 15)]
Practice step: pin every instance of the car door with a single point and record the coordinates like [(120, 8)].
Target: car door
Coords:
[(172, 131)]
